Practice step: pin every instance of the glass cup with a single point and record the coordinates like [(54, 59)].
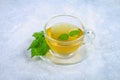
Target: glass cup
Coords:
[(66, 51)]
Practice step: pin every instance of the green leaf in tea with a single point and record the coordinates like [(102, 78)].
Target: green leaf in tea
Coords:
[(38, 47), (63, 37), (74, 32)]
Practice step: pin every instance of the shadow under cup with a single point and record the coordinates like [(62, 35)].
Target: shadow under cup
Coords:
[(63, 49)]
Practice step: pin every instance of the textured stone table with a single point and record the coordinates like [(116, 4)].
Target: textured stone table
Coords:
[(19, 19)]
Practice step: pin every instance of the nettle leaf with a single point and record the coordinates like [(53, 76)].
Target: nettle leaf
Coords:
[(74, 32), (34, 52), (34, 44), (38, 34), (63, 37), (39, 46)]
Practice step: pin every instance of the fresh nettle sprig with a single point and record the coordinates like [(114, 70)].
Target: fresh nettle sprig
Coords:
[(39, 46)]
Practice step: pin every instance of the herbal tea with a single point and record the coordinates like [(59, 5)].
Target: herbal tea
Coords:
[(63, 33)]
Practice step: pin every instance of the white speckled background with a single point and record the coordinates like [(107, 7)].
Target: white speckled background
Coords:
[(20, 18)]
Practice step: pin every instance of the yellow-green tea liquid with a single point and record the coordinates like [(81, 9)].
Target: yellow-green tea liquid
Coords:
[(60, 47)]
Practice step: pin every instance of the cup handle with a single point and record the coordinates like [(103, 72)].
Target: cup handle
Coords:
[(89, 36)]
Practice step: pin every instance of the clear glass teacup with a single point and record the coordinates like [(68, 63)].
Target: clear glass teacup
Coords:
[(65, 34)]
